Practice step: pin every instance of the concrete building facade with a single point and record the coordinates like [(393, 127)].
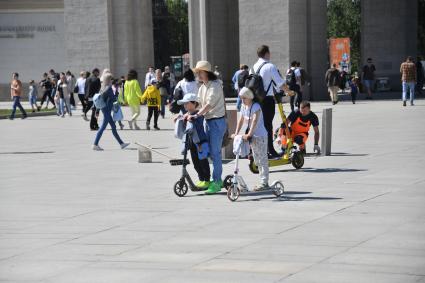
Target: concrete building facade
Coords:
[(81, 34)]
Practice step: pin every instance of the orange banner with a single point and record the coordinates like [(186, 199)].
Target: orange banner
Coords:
[(339, 52)]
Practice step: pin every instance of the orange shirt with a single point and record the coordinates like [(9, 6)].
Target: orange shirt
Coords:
[(18, 88)]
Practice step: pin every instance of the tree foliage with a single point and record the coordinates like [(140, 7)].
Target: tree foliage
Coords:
[(171, 30), (344, 18)]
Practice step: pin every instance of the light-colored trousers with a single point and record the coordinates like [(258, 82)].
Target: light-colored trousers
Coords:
[(259, 151)]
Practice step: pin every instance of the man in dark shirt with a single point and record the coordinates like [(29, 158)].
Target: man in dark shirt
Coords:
[(46, 85), (92, 87), (299, 123), (368, 76)]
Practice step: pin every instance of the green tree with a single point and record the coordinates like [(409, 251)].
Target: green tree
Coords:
[(344, 18), (171, 30)]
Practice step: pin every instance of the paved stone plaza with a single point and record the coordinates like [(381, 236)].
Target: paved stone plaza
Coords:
[(69, 214)]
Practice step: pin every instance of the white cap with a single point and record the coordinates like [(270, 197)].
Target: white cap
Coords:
[(188, 97)]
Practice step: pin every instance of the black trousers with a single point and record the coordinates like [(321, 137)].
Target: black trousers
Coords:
[(202, 167), (46, 94), (93, 119), (297, 98), (153, 110), (72, 99), (268, 107), (82, 100), (88, 106)]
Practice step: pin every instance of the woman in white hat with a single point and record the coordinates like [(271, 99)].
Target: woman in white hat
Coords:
[(211, 100)]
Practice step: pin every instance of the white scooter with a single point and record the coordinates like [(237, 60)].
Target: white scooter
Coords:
[(236, 185)]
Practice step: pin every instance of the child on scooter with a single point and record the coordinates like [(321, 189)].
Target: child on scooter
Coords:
[(256, 134), (198, 143)]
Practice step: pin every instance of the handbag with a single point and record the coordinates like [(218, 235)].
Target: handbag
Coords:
[(117, 116), (76, 89)]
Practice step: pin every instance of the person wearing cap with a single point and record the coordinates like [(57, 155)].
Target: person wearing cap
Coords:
[(198, 140), (132, 96), (211, 101), (255, 133), (153, 98)]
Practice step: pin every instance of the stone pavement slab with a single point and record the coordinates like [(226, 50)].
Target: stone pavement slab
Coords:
[(69, 214)]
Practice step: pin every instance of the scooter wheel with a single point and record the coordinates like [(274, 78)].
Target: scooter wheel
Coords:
[(253, 167), (278, 188), (297, 160), (227, 183), (233, 193), (180, 188)]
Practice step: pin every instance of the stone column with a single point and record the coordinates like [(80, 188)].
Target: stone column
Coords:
[(109, 34), (294, 30), (214, 35), (389, 35)]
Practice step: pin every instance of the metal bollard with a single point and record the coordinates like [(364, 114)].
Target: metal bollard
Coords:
[(326, 133)]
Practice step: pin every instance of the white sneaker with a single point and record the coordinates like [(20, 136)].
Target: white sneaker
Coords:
[(97, 148), (124, 145), (130, 124)]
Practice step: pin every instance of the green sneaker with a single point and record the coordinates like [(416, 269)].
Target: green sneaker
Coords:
[(213, 188), (202, 184)]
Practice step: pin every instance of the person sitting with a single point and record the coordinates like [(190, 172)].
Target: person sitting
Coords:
[(299, 123)]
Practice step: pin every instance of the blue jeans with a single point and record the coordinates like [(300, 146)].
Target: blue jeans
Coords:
[(215, 129), (17, 103), (238, 104), (107, 119), (411, 87)]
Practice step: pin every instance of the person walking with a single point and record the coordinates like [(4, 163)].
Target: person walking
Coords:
[(91, 87), (408, 79), (64, 96), (168, 75), (332, 79), (273, 82), (46, 86), (15, 95), (132, 96), (71, 83), (368, 77), (32, 96), (420, 77), (238, 80), (153, 99), (117, 111), (149, 76), (163, 85), (293, 80), (212, 107), (81, 82), (109, 97)]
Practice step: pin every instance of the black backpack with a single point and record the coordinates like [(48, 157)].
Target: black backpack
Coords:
[(242, 77), (291, 80), (255, 83), (174, 107)]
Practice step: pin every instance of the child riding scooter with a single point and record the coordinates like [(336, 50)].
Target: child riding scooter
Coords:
[(196, 141)]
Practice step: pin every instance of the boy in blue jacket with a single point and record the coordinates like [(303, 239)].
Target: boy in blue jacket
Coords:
[(198, 140)]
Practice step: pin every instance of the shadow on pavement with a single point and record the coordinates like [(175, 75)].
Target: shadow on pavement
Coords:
[(319, 170), (348, 154)]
